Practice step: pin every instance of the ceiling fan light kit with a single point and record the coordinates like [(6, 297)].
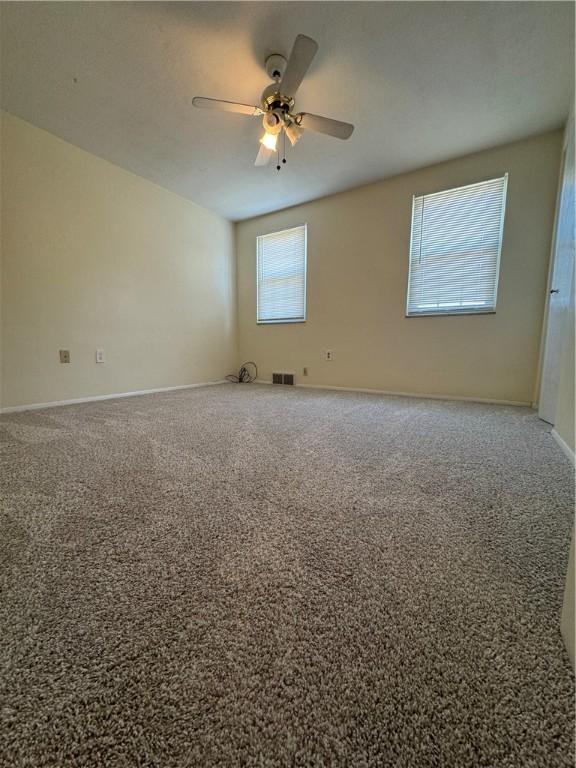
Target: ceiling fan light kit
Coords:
[(277, 103), (294, 133), (269, 140)]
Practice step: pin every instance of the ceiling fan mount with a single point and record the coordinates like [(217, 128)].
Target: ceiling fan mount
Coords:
[(277, 102), (275, 66)]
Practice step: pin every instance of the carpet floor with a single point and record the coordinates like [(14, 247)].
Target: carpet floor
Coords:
[(264, 576)]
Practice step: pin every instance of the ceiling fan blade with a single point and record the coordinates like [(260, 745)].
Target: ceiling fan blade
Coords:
[(226, 106), (303, 51), (324, 125), (264, 155)]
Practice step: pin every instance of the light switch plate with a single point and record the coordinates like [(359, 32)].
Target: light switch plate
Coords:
[(99, 355), (64, 355)]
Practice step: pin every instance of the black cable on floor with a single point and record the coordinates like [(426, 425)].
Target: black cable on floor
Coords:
[(244, 375)]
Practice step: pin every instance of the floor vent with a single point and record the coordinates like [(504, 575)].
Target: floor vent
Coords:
[(282, 378)]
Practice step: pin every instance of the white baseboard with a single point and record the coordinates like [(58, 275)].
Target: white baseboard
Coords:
[(418, 395), (94, 398), (564, 446)]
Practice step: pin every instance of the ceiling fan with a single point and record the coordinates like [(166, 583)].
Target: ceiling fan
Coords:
[(277, 102)]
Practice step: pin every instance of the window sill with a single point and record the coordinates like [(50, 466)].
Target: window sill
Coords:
[(279, 322), (453, 314)]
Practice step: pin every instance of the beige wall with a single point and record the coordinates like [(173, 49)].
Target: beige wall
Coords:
[(358, 245), (94, 256)]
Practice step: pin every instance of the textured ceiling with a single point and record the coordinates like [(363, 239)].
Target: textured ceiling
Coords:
[(423, 82)]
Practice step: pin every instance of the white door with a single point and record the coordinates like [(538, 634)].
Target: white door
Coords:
[(559, 285)]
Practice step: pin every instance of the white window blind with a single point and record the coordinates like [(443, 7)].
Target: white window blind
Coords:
[(455, 249), (281, 276)]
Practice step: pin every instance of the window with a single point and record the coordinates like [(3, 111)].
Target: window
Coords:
[(455, 249), (281, 276)]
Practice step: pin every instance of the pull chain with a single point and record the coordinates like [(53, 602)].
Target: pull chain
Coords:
[(278, 166)]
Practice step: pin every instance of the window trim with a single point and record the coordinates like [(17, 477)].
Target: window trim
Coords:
[(285, 321), (459, 312)]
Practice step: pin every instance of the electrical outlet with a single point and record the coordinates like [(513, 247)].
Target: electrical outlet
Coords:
[(328, 354), (64, 355), (99, 355), (305, 371)]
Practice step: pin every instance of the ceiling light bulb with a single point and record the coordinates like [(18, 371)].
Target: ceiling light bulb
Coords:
[(294, 132), (269, 141)]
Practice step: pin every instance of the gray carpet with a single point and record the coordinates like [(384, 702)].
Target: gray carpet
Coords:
[(262, 576)]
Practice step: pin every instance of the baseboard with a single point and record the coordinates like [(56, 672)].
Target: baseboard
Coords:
[(95, 398), (564, 446), (418, 395)]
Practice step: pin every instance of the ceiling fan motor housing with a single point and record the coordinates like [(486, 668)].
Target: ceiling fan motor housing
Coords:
[(273, 99)]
